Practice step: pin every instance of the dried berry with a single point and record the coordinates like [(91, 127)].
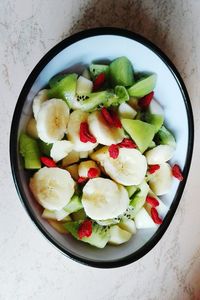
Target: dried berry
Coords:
[(176, 172), (155, 216), (152, 201), (127, 143), (82, 179), (85, 229), (146, 100), (48, 162), (93, 172), (85, 135), (153, 168), (98, 82), (113, 151)]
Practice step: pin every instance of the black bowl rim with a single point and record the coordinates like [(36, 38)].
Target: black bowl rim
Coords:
[(14, 139)]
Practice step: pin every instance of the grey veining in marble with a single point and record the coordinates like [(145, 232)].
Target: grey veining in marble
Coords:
[(30, 268)]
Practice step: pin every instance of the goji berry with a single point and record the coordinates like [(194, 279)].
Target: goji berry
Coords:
[(98, 82), (85, 135), (93, 172), (176, 172), (153, 168), (48, 162), (116, 121), (155, 216), (85, 229), (146, 100), (107, 116), (152, 201), (127, 143), (113, 151), (82, 179)]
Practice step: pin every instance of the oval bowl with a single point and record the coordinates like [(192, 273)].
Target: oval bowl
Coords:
[(75, 52)]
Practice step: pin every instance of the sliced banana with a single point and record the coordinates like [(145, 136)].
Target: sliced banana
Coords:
[(161, 181), (129, 168), (60, 149), (38, 100), (104, 134), (128, 225), (75, 120), (159, 154), (52, 187), (52, 120), (84, 154), (118, 235), (104, 199), (84, 167)]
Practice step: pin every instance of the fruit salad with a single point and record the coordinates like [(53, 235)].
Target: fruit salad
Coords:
[(97, 151)]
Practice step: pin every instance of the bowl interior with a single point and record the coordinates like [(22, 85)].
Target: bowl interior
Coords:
[(167, 92)]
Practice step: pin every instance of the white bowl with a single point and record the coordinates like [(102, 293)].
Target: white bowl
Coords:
[(74, 53)]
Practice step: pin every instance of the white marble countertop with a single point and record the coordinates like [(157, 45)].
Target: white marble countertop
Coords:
[(30, 267)]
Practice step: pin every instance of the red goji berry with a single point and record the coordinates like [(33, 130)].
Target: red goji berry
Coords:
[(85, 135), (127, 143), (113, 151), (82, 179), (85, 229), (93, 172), (152, 201), (153, 168), (146, 100), (107, 116), (98, 82), (155, 216), (176, 172), (116, 121), (48, 162)]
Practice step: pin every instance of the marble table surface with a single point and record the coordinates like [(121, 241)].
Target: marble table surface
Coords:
[(30, 267)]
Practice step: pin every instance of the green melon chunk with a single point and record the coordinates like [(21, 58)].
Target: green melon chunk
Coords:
[(99, 237), (65, 89), (155, 120), (121, 72), (141, 132), (165, 137), (74, 205), (96, 69), (29, 149), (143, 86)]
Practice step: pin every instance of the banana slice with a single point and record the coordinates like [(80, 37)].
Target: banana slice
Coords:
[(104, 134), (31, 128), (128, 169), (52, 120), (126, 111), (60, 149), (52, 187), (38, 100), (159, 154), (84, 86), (161, 181), (75, 119), (104, 199)]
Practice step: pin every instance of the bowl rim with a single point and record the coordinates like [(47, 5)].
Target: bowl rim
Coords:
[(14, 140)]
